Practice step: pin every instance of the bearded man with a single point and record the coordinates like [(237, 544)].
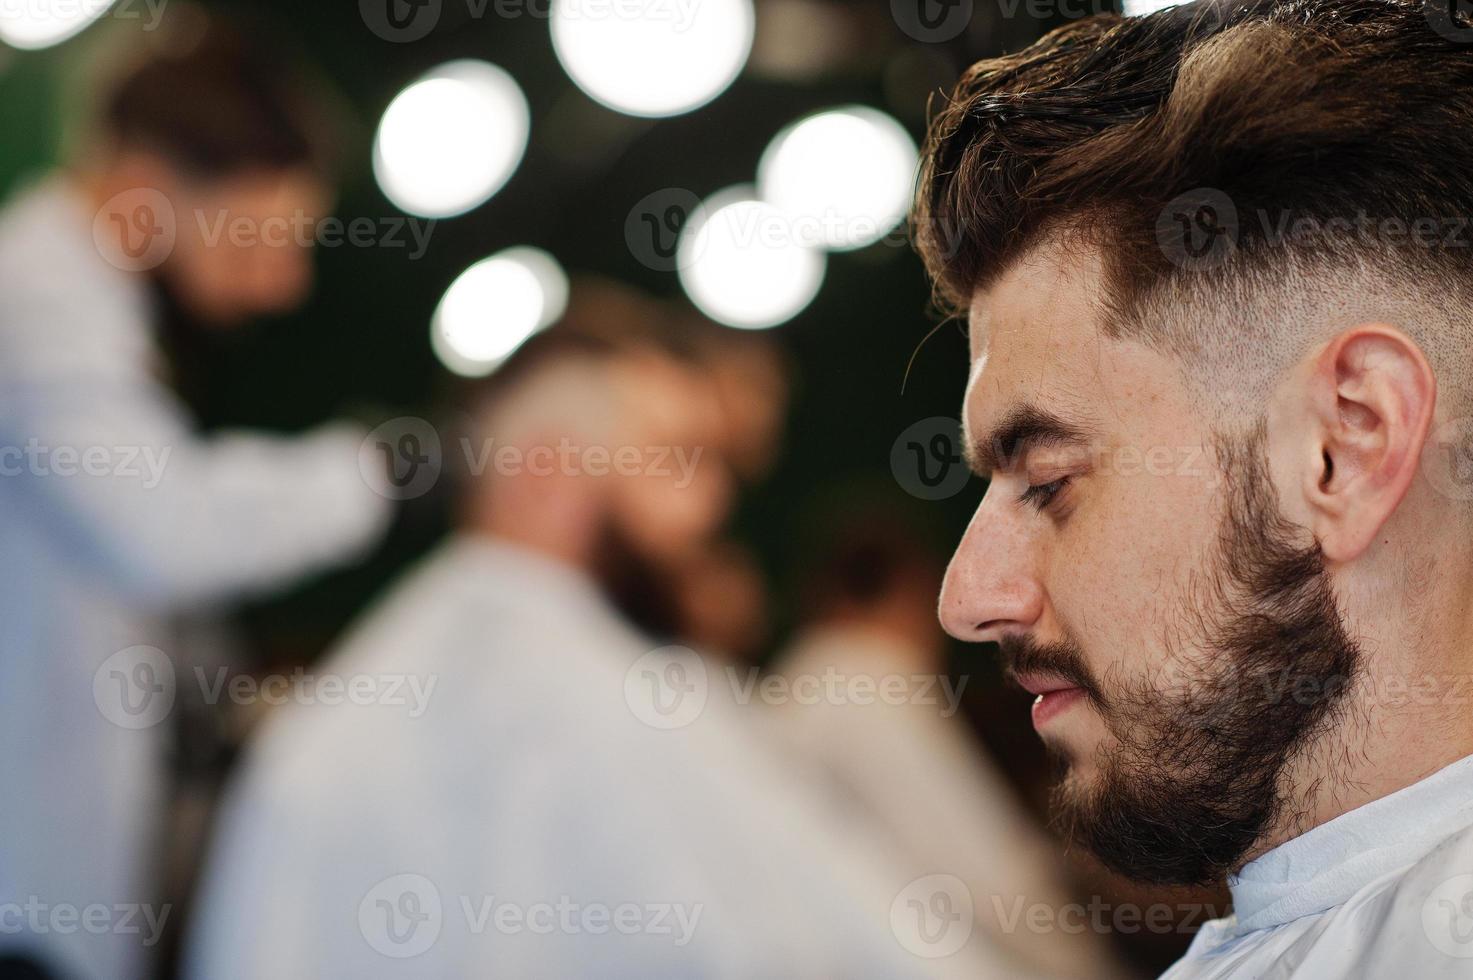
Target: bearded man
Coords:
[(1216, 267)]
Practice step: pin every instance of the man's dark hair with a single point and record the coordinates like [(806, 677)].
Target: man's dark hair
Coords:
[(871, 557), (1224, 158), (220, 97)]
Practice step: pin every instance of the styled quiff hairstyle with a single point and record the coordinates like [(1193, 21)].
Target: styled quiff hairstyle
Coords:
[(1321, 147)]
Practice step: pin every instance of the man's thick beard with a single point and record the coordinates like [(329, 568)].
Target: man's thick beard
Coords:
[(638, 587), (1196, 777)]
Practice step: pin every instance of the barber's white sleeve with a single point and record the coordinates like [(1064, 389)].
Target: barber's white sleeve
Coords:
[(111, 467)]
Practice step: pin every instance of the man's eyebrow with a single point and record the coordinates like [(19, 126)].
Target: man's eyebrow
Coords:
[(1023, 428)]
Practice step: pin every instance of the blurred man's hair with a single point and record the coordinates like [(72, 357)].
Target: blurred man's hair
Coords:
[(1226, 159), (556, 383), (216, 96), (870, 557), (560, 380), (621, 314)]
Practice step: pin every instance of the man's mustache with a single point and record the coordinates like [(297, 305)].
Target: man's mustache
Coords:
[(1022, 655)]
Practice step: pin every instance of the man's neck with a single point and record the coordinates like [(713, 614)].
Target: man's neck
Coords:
[(1394, 728)]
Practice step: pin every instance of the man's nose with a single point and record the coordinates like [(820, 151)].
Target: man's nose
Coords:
[(991, 586)]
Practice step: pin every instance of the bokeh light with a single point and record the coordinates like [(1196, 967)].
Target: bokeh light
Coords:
[(494, 306), (452, 139), (844, 176), (742, 265), (653, 59), (36, 24)]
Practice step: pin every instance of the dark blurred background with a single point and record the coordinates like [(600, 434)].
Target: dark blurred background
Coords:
[(869, 357)]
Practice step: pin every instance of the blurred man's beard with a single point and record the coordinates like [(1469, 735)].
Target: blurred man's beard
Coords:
[(1193, 778), (637, 586)]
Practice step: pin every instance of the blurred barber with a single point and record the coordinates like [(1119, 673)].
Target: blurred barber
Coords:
[(542, 806), (114, 511)]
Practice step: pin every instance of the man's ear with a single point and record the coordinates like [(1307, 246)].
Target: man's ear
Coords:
[(1371, 400)]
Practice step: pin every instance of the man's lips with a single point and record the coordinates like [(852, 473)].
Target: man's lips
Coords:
[(1037, 684), (1052, 695)]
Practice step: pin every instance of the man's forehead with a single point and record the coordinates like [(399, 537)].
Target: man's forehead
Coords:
[(1033, 332)]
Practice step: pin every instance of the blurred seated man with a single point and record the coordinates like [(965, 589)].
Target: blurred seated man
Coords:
[(868, 708), (564, 801), (712, 596), (115, 513)]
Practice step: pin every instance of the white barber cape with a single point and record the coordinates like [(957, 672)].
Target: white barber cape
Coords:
[(114, 514), (1384, 892), (517, 817)]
